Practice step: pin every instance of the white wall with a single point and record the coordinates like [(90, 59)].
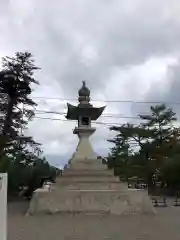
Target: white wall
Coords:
[(3, 206)]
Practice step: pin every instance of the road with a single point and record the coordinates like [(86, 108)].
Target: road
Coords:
[(165, 226)]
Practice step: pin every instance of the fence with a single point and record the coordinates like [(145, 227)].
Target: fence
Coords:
[(3, 206)]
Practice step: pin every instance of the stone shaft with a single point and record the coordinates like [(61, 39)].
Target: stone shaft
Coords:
[(84, 149)]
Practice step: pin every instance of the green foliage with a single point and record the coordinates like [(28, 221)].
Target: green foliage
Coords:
[(20, 155), (16, 106), (154, 143)]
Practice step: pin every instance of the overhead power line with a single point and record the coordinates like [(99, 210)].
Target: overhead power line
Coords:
[(103, 115), (110, 115), (94, 122), (109, 101), (112, 101), (67, 120), (119, 116)]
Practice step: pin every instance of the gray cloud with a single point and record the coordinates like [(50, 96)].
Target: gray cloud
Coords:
[(166, 91), (120, 34), (114, 45)]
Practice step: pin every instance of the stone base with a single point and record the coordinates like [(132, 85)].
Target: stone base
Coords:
[(88, 187), (92, 202)]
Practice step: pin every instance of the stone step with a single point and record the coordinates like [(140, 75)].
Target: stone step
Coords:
[(92, 181), (85, 172), (74, 179), (88, 186)]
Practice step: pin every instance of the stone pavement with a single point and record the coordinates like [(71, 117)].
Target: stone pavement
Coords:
[(67, 227)]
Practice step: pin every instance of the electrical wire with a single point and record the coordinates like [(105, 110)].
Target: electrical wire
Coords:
[(103, 115), (121, 116), (112, 101), (67, 120), (109, 124), (108, 101)]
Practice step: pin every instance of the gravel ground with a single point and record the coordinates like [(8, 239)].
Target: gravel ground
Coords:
[(165, 225)]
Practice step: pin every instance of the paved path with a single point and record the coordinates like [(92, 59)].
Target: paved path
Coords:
[(165, 226)]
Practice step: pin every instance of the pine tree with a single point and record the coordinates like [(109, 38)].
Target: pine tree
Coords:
[(16, 79), (159, 122), (20, 155), (152, 142)]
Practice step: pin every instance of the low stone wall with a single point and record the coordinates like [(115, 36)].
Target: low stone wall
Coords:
[(3, 206), (116, 202)]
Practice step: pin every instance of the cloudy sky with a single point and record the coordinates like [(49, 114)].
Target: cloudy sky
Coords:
[(125, 50)]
